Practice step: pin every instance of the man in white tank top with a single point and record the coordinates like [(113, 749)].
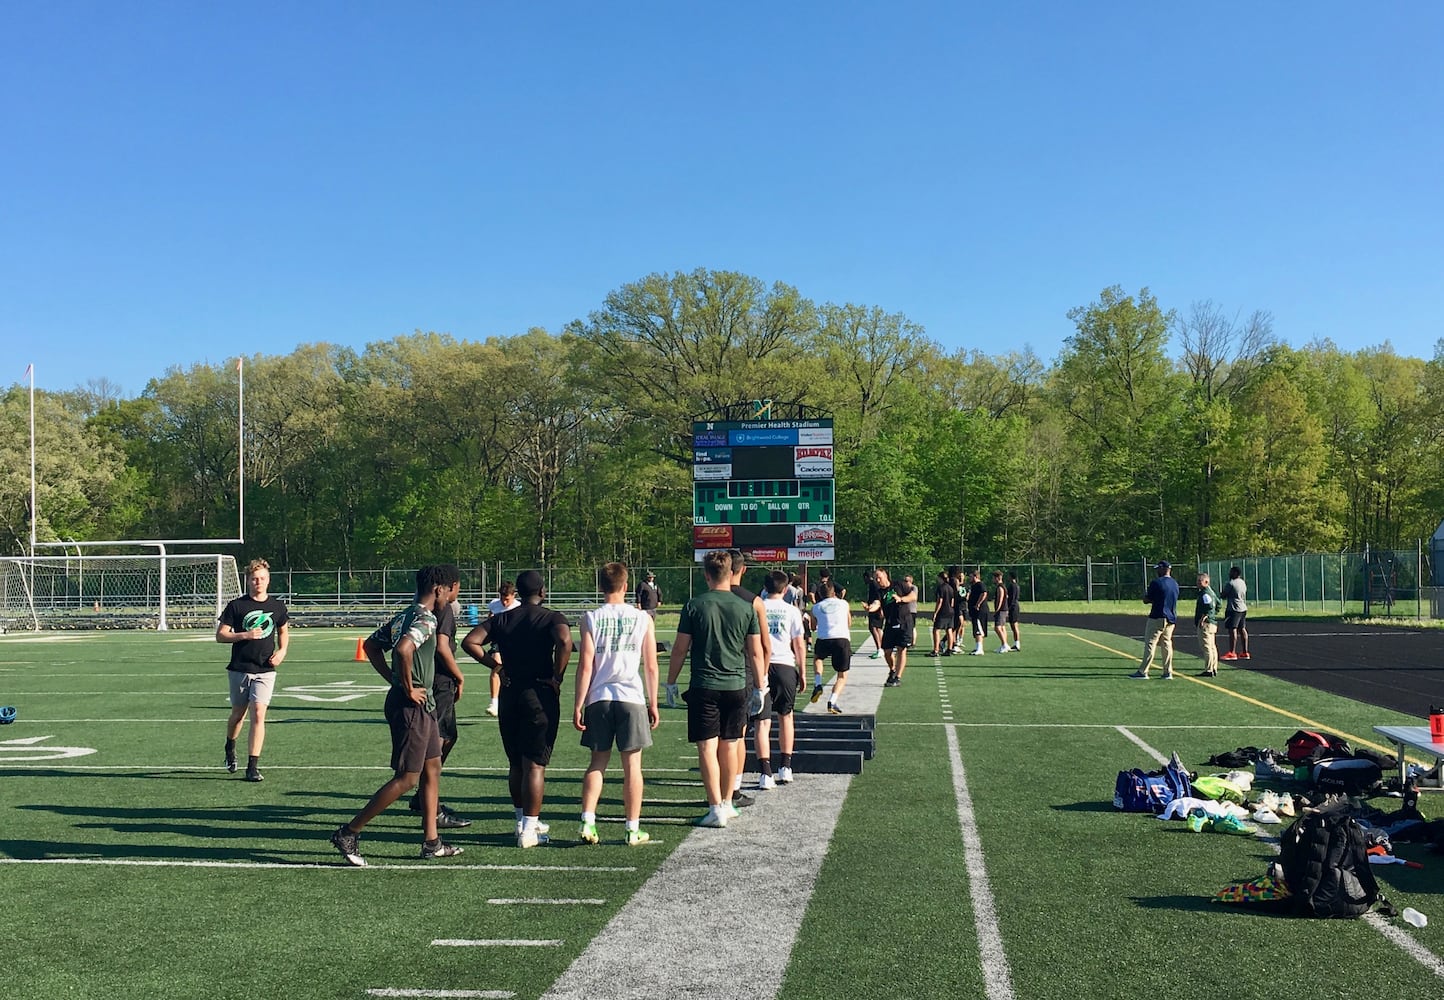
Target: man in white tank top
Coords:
[(616, 698), (832, 628)]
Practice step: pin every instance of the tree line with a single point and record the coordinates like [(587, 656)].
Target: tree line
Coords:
[(1154, 432)]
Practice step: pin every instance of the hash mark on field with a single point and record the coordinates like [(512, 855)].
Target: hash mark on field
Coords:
[(547, 902), (497, 943), (486, 994)]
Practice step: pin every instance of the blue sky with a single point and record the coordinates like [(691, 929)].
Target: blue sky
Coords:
[(184, 182)]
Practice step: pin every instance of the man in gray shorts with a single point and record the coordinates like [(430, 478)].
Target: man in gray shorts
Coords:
[(616, 699), (255, 626)]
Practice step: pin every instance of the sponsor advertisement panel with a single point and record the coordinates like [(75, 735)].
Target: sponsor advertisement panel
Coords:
[(712, 472)]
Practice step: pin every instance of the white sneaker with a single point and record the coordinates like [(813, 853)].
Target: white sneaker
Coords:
[(765, 782), (976, 652), (716, 818), (1004, 649), (491, 709), (1286, 804), (532, 838), (730, 811), (540, 828), (784, 775)]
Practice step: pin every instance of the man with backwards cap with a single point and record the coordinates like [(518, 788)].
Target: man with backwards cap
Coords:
[(1162, 598), (535, 644)]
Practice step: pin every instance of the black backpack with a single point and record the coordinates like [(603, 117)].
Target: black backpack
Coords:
[(1326, 864)]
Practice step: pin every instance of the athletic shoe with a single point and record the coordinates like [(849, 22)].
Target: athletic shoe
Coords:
[(832, 708), (1244, 656), (348, 844), (252, 774), (531, 838), (492, 709), (716, 818), (441, 849), (741, 800), (1229, 656), (875, 654), (1286, 805), (784, 775), (934, 653), (1208, 673), (231, 759), (636, 838), (730, 810), (891, 680), (765, 782), (448, 820), (1265, 816), (541, 828), (1168, 676), (1232, 824), (1017, 647), (816, 694), (976, 652), (588, 834), (1138, 675), (1004, 649)]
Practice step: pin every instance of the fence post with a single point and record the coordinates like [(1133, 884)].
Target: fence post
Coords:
[(1088, 579)]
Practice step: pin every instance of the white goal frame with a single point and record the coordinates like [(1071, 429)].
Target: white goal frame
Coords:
[(117, 591)]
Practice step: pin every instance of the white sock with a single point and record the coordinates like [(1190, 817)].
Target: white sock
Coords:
[(832, 701), (737, 785), (633, 825), (589, 817), (529, 822)]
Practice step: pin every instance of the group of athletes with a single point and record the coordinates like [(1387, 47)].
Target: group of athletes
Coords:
[(748, 656)]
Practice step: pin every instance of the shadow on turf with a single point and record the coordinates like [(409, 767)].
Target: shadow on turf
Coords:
[(1086, 807)]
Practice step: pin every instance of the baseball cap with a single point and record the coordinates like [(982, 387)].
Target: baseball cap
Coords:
[(1163, 564)]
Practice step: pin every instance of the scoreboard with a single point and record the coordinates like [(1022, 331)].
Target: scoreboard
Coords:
[(765, 487)]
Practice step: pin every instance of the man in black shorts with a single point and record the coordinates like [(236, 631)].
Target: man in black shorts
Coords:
[(978, 611), (875, 620), (895, 606), (943, 616), (415, 740), (446, 690), (721, 637), (1013, 595), (535, 644)]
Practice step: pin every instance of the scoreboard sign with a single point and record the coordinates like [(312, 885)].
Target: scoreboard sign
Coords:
[(764, 486)]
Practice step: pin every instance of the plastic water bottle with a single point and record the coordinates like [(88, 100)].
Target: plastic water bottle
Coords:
[(1414, 918)]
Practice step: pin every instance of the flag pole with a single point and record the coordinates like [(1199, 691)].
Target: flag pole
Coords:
[(30, 371), (241, 448)]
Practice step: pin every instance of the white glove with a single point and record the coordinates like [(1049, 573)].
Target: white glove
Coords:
[(755, 701)]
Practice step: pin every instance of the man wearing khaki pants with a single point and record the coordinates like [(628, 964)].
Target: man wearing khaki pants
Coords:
[(1162, 596), (1205, 613)]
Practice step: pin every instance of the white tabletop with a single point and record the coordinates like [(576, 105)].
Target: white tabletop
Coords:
[(1416, 737)]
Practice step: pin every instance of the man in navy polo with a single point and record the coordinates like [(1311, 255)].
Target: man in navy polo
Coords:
[(1162, 598)]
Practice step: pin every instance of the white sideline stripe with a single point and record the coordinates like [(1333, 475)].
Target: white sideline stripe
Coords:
[(497, 943), (997, 978), (547, 902), (58, 766), (1143, 746), (392, 991), (337, 866), (1392, 934)]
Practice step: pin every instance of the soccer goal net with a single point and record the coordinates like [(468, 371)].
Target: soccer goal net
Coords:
[(137, 591)]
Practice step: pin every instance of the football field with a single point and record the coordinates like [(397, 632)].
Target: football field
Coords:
[(977, 855)]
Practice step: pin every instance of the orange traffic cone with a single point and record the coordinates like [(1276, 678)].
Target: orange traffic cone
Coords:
[(361, 650)]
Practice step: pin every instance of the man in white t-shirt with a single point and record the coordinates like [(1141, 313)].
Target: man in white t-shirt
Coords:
[(784, 681), (832, 626), (616, 698), (505, 600)]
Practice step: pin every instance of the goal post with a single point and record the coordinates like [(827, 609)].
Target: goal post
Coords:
[(109, 591)]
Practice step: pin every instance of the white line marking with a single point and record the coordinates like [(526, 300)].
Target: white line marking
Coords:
[(547, 902), (1144, 746), (997, 979), (497, 943), (298, 767), (396, 992), (337, 866)]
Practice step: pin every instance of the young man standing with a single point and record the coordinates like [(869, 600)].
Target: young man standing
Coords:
[(1235, 593), (504, 601), (978, 611), (648, 595), (1162, 597), (895, 607), (875, 621), (1000, 611), (739, 567), (415, 739), (446, 690), (943, 616), (724, 641), (534, 643), (1013, 600), (616, 698), (785, 681), (1205, 615), (832, 623), (256, 627)]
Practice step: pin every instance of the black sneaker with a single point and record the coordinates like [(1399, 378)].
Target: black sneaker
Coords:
[(816, 693), (416, 804), (448, 820), (348, 844), (231, 759), (934, 653), (253, 774), (742, 801), (440, 849), (832, 709)]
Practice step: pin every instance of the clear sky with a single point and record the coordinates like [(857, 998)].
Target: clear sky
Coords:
[(184, 182)]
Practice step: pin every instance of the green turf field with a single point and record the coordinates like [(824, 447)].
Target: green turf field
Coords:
[(977, 855)]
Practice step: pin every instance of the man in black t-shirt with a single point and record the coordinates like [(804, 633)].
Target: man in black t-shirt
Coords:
[(874, 618), (943, 634), (649, 596), (255, 626), (978, 611), (895, 605), (535, 644), (446, 688)]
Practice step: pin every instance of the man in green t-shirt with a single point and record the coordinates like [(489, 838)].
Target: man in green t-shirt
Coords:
[(1205, 620), (724, 640), (415, 738)]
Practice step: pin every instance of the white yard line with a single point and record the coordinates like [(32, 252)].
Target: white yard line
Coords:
[(692, 931), (392, 991), (302, 866), (539, 901), (497, 943), (997, 976)]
